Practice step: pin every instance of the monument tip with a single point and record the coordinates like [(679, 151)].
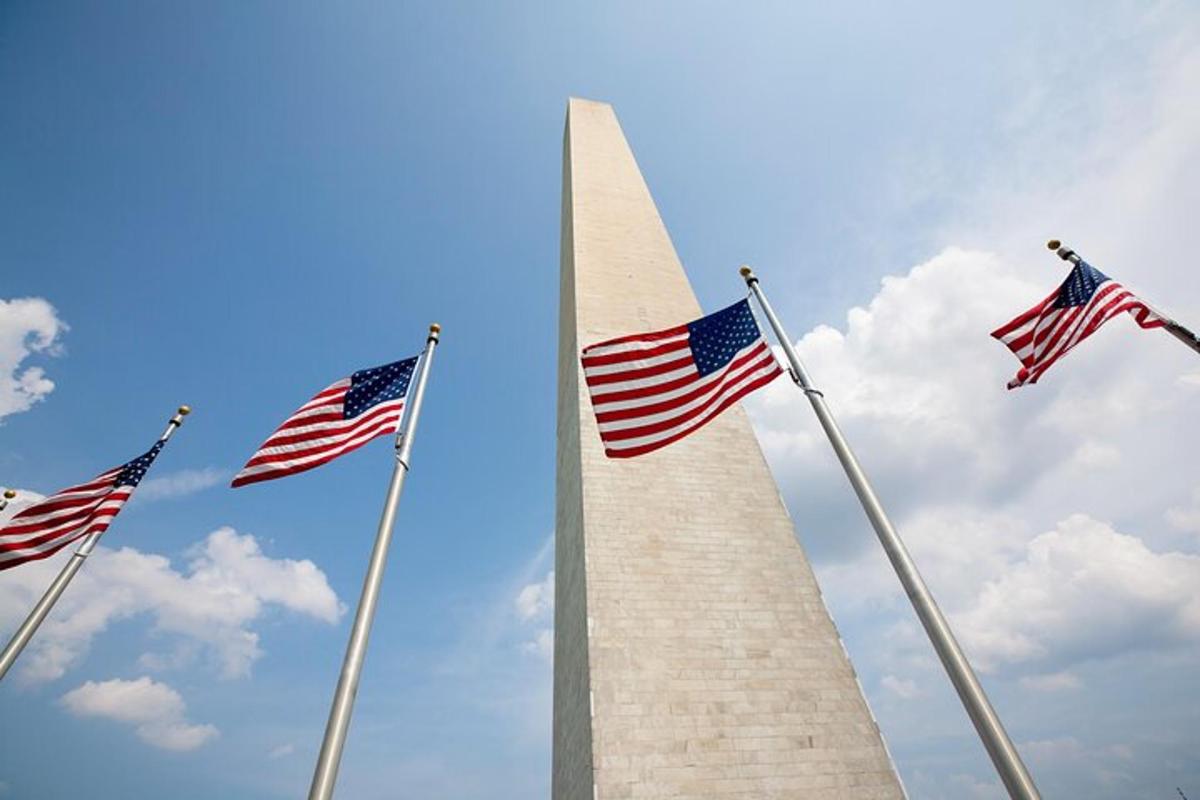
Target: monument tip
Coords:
[(573, 101)]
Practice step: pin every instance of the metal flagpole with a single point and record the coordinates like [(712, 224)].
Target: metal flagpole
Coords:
[(1171, 326), (1004, 755), (28, 628), (9, 494), (343, 699)]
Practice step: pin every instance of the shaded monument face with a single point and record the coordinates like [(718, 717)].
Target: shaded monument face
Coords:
[(693, 654)]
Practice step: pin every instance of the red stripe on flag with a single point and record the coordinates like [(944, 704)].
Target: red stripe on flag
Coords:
[(638, 337), (652, 446), (634, 355), (641, 431), (641, 372)]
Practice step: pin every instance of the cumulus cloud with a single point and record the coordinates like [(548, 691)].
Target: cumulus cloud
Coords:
[(901, 687), (536, 599), (156, 711), (178, 484), (917, 384), (971, 787), (1052, 682), (28, 326), (987, 486), (206, 609), (1106, 764), (1084, 591), (1186, 517), (534, 604), (282, 751), (541, 645), (1024, 603), (973, 474)]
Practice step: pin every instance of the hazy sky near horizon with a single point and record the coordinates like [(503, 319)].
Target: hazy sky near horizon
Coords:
[(232, 205)]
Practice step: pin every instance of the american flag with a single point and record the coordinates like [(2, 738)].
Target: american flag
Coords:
[(42, 529), (342, 417), (1074, 311), (651, 389)]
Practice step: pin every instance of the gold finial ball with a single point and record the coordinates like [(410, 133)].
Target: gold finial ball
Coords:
[(435, 328), (1053, 244), (185, 410), (746, 272), (9, 494)]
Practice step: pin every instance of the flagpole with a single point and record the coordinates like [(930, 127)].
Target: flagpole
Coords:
[(9, 494), (28, 628), (1001, 749), (338, 725), (1171, 326)]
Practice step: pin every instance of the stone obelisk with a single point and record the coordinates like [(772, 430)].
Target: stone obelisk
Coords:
[(693, 654)]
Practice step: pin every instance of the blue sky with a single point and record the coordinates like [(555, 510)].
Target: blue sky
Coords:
[(232, 205)]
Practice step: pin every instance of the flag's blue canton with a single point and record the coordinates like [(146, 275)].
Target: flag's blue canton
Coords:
[(370, 387), (133, 472), (717, 338), (1079, 286)]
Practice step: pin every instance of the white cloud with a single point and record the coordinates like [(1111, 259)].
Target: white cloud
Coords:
[(28, 326), (536, 599), (901, 687), (503, 658), (157, 711), (971, 787), (534, 604), (282, 751), (1186, 517), (1100, 764), (1084, 591), (1022, 602), (541, 645), (178, 484), (950, 785), (206, 609), (986, 486), (969, 470), (1052, 682)]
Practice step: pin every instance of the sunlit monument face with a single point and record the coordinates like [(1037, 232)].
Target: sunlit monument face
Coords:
[(693, 654)]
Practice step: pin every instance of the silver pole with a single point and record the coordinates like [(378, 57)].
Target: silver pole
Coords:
[(9, 494), (1004, 755), (343, 699), (28, 628), (1169, 325)]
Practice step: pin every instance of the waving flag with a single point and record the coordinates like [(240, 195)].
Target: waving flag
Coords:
[(342, 417), (651, 389), (1074, 311), (42, 529)]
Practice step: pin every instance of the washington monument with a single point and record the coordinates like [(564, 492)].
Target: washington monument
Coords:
[(693, 653)]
